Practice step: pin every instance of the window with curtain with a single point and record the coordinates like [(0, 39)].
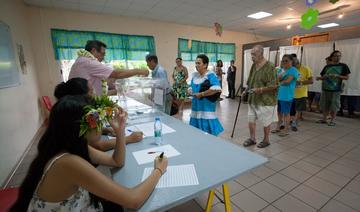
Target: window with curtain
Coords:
[(215, 51), (123, 51)]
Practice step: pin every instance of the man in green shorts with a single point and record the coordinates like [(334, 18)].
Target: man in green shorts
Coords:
[(332, 76), (262, 87)]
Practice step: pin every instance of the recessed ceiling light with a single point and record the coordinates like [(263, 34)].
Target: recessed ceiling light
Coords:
[(340, 16), (259, 15), (288, 26), (323, 26)]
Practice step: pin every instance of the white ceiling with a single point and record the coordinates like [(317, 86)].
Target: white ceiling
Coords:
[(232, 14)]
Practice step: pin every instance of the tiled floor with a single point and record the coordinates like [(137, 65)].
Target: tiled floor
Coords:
[(314, 169)]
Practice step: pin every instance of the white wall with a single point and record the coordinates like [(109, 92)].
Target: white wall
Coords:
[(19, 108), (166, 37)]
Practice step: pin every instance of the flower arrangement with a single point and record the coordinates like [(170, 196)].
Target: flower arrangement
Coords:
[(97, 114)]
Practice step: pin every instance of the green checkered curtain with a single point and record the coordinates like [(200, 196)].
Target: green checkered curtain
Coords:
[(66, 43), (226, 52), (215, 51)]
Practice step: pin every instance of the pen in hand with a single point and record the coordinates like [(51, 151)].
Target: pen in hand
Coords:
[(161, 155)]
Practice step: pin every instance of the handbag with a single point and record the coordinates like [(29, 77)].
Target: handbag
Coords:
[(174, 109), (206, 86)]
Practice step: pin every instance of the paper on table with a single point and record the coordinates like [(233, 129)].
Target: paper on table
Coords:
[(130, 105), (181, 175), (148, 129), (159, 96), (143, 156)]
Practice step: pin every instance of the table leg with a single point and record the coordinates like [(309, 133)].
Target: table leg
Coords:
[(226, 194), (210, 200)]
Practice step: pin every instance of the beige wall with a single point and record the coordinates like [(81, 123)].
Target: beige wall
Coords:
[(19, 107), (166, 37)]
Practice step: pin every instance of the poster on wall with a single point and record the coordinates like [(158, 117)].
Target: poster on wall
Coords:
[(350, 51), (9, 73), (314, 57), (289, 50), (22, 61)]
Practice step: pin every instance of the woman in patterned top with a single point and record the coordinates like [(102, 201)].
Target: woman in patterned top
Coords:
[(180, 75), (63, 173)]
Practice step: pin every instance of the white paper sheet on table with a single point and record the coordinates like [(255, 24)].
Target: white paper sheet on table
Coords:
[(143, 156), (130, 103), (180, 175), (148, 129)]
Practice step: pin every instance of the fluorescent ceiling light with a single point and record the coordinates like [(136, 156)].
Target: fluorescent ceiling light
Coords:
[(328, 25), (259, 15)]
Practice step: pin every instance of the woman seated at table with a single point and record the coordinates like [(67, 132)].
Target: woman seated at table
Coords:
[(80, 86), (205, 89), (62, 174)]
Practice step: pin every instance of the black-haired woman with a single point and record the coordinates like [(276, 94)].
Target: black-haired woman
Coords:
[(62, 174)]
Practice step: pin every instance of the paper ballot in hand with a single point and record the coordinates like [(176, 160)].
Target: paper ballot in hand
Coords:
[(159, 96)]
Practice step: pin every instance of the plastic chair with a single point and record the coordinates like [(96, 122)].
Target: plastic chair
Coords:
[(47, 102), (8, 197)]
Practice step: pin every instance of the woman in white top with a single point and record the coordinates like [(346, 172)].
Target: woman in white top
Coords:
[(62, 174)]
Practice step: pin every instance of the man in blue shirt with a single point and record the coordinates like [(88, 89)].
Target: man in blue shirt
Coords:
[(159, 73)]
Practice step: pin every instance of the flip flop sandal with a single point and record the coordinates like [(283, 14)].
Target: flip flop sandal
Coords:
[(283, 134), (331, 124), (263, 144), (249, 142), (275, 131)]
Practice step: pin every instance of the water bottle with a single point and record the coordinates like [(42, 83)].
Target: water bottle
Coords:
[(158, 131)]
